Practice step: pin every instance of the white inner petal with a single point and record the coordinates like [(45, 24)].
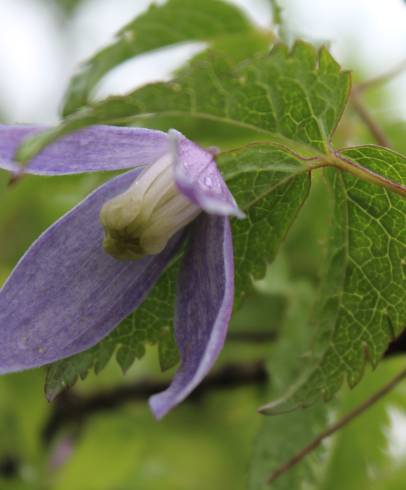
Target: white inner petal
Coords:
[(141, 220)]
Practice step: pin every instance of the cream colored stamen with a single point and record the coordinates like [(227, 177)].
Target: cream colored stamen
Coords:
[(141, 220)]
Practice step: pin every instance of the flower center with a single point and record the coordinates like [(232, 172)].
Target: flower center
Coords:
[(140, 221)]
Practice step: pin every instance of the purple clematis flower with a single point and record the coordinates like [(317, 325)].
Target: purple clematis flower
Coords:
[(96, 264)]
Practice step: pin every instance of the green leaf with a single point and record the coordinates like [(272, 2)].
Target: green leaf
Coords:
[(270, 185), (363, 299), (174, 22), (297, 97)]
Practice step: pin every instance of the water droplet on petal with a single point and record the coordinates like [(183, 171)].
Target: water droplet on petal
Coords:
[(208, 181)]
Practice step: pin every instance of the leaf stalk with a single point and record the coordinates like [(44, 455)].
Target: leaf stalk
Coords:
[(339, 161)]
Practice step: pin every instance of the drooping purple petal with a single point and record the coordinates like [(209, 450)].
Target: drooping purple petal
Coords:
[(203, 309), (66, 294), (89, 150), (199, 179)]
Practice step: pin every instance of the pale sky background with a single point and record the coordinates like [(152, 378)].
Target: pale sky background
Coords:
[(39, 50)]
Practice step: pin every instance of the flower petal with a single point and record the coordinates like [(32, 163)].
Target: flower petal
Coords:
[(203, 309), (66, 294), (89, 150), (199, 179)]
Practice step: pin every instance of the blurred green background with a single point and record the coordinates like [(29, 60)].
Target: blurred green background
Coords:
[(207, 442)]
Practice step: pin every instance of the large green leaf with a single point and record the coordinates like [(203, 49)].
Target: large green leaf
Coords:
[(363, 298), (270, 185), (295, 96), (174, 22)]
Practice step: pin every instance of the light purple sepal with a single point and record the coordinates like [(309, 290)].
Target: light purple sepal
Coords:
[(199, 179), (66, 294), (203, 309), (91, 149)]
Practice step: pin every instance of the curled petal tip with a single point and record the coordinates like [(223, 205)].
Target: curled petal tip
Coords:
[(199, 179)]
